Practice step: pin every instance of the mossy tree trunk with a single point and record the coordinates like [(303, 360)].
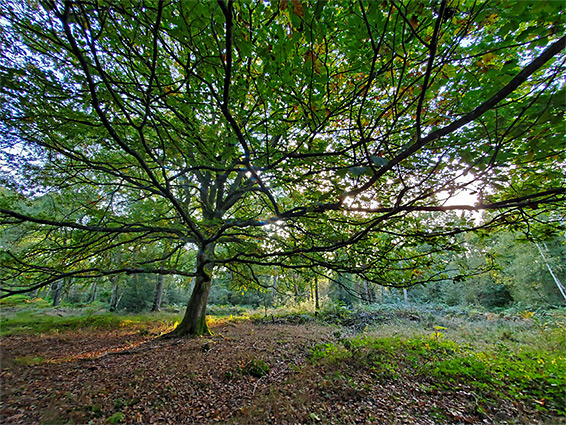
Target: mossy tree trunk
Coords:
[(194, 321)]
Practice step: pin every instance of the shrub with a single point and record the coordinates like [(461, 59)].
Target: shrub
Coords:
[(495, 295)]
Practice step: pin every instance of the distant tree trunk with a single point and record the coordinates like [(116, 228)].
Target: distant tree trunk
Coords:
[(114, 300), (316, 302), (194, 321), (93, 293), (405, 296), (295, 287), (69, 287), (158, 293), (57, 287), (368, 294), (274, 289)]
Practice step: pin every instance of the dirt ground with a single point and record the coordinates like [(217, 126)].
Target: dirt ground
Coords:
[(129, 376)]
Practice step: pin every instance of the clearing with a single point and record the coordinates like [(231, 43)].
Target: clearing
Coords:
[(276, 371)]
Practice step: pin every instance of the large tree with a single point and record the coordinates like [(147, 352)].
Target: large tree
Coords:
[(291, 134)]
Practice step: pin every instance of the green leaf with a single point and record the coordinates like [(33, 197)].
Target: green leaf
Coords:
[(245, 48), (379, 161), (359, 171)]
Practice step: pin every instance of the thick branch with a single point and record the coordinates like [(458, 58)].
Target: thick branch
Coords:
[(519, 79), (131, 228)]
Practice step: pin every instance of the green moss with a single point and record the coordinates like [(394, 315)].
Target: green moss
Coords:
[(28, 360), (256, 368)]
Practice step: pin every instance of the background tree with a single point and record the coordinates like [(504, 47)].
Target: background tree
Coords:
[(288, 134)]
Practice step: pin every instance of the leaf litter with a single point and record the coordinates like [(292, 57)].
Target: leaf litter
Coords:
[(121, 376)]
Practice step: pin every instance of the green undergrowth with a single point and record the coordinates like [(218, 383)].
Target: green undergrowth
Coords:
[(531, 376), (24, 300), (255, 368), (516, 327), (30, 322)]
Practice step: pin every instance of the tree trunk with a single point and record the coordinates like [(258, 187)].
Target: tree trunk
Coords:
[(556, 280), (316, 302), (114, 297), (367, 294), (194, 321), (158, 293), (57, 292), (274, 290), (93, 293)]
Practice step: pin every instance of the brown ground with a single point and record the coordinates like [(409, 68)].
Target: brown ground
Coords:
[(128, 376)]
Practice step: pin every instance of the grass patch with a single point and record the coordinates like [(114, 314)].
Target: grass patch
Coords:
[(537, 377), (37, 323), (24, 301), (28, 360), (534, 377)]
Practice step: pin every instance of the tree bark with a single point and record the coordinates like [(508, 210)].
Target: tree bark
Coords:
[(194, 321)]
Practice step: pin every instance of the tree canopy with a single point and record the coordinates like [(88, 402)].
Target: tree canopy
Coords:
[(303, 135)]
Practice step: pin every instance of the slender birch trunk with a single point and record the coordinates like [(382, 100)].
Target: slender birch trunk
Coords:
[(556, 280)]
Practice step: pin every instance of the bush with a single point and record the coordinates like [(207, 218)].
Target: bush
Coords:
[(495, 295), (225, 310), (138, 293)]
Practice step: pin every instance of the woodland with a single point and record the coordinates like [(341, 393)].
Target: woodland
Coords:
[(283, 211)]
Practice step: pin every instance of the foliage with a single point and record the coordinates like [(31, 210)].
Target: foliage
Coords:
[(515, 273), (536, 376), (138, 294), (226, 310), (495, 296), (116, 418), (255, 368)]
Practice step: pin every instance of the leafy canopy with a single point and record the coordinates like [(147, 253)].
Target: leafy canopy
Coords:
[(295, 134)]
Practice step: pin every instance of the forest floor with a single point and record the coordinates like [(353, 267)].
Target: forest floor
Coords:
[(252, 372)]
